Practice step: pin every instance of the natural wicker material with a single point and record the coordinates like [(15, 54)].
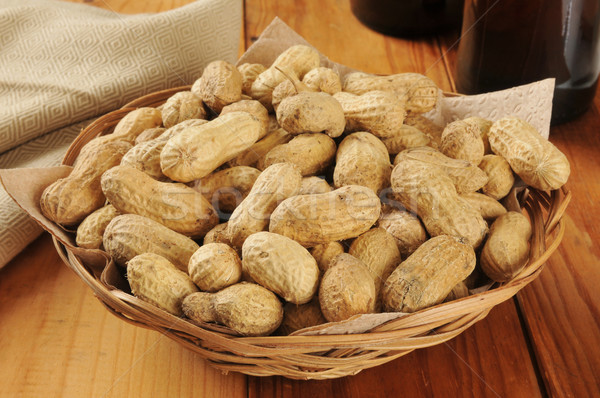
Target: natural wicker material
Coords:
[(320, 356)]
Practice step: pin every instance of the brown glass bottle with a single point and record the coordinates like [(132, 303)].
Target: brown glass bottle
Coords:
[(507, 43), (409, 17)]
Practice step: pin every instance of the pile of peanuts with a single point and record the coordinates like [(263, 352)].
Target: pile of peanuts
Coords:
[(271, 199)]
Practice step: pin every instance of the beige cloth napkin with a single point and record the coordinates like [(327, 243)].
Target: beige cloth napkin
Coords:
[(62, 63)]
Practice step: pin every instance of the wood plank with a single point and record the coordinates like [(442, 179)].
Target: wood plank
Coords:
[(58, 340), (490, 359), (561, 308)]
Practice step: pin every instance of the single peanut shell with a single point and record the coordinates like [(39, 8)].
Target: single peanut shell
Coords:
[(215, 266), (347, 289), (484, 128), (273, 185), (500, 176), (311, 152), (182, 106), (174, 205), (254, 108), (326, 252), (380, 113), (489, 207), (198, 151), (281, 265), (426, 126), (246, 308), (404, 226), (155, 280), (149, 134), (533, 158), (91, 229), (219, 85), (321, 218), (377, 249), (506, 250), (462, 140), (362, 159), (297, 317), (323, 79), (225, 189), (69, 200), (428, 275), (129, 235), (133, 124), (309, 112), (406, 137)]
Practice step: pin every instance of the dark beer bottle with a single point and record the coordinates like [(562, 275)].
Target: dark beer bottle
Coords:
[(507, 43), (409, 18)]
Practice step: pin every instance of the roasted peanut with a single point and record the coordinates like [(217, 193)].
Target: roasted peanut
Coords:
[(217, 235), (219, 85), (145, 156), (489, 207), (281, 265), (406, 137), (69, 200), (149, 134), (321, 218), (129, 235), (426, 126), (506, 250), (362, 159), (182, 106), (347, 289), (377, 249), (226, 188), (91, 229), (426, 190), (197, 151), (254, 108), (309, 112), (133, 124), (249, 74), (536, 160), (246, 308), (462, 140), (215, 266), (404, 226), (326, 252), (155, 280), (484, 128), (323, 79), (296, 317), (500, 176), (459, 291), (378, 112), (311, 152), (176, 206), (428, 275), (273, 185)]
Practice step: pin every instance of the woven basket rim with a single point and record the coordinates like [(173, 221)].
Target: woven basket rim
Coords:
[(326, 355)]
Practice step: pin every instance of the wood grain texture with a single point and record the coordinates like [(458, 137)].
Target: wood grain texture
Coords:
[(57, 340)]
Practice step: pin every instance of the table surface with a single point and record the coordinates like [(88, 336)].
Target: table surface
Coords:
[(58, 340)]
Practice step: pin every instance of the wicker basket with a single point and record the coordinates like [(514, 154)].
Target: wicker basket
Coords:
[(320, 356)]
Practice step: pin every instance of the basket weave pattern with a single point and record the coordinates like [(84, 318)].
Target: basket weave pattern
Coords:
[(319, 356)]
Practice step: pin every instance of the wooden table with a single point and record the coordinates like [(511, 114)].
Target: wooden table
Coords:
[(57, 340)]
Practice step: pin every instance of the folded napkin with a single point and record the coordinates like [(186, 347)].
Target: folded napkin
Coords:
[(62, 64)]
